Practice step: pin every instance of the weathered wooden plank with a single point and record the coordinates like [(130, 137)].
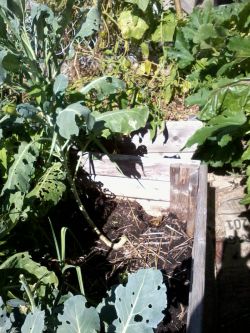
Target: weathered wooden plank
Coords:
[(170, 140), (197, 292), (131, 166), (143, 179), (183, 193), (134, 188)]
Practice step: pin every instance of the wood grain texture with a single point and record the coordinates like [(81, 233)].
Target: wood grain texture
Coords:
[(171, 140), (136, 189), (153, 168), (197, 292), (138, 178), (184, 180)]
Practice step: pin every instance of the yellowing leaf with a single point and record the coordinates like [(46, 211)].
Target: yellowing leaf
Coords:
[(131, 26)]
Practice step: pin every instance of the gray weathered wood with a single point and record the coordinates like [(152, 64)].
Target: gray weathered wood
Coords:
[(138, 178), (136, 188), (183, 193), (154, 168), (196, 296), (171, 140)]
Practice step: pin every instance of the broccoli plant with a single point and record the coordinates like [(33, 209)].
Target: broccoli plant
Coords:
[(39, 121), (135, 307)]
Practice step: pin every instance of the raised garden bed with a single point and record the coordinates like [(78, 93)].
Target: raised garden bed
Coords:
[(162, 211)]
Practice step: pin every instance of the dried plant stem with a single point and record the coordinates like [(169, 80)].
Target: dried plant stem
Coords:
[(178, 9), (101, 236)]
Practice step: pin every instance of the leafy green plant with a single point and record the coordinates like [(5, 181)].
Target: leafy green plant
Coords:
[(224, 140), (211, 48), (43, 123), (132, 44), (135, 307), (61, 253)]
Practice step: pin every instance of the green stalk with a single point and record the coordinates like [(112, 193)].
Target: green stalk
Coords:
[(28, 292), (101, 236), (63, 243), (80, 279), (59, 258)]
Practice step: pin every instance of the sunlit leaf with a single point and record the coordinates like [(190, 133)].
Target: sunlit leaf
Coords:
[(60, 84), (120, 121), (103, 87), (34, 322), (66, 119), (77, 318), (131, 26)]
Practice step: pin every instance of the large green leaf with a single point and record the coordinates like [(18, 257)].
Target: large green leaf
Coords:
[(33, 272), (206, 31), (103, 87), (17, 7), (91, 24), (34, 322), (240, 45), (66, 119), (218, 127), (50, 187), (22, 168), (199, 98), (11, 63), (226, 123), (181, 51), (11, 210), (44, 23), (77, 318), (166, 29), (140, 303), (131, 26), (120, 121), (10, 17), (60, 84), (228, 101)]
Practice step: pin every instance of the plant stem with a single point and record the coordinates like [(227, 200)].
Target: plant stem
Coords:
[(101, 236), (178, 9), (28, 292)]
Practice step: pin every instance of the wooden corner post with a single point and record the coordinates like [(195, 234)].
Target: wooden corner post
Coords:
[(184, 181)]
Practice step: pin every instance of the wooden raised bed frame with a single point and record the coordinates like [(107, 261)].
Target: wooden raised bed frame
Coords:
[(159, 185)]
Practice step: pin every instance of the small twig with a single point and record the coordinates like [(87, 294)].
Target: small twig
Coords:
[(167, 226)]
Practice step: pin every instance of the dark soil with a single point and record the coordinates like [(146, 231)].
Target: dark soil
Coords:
[(153, 242)]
